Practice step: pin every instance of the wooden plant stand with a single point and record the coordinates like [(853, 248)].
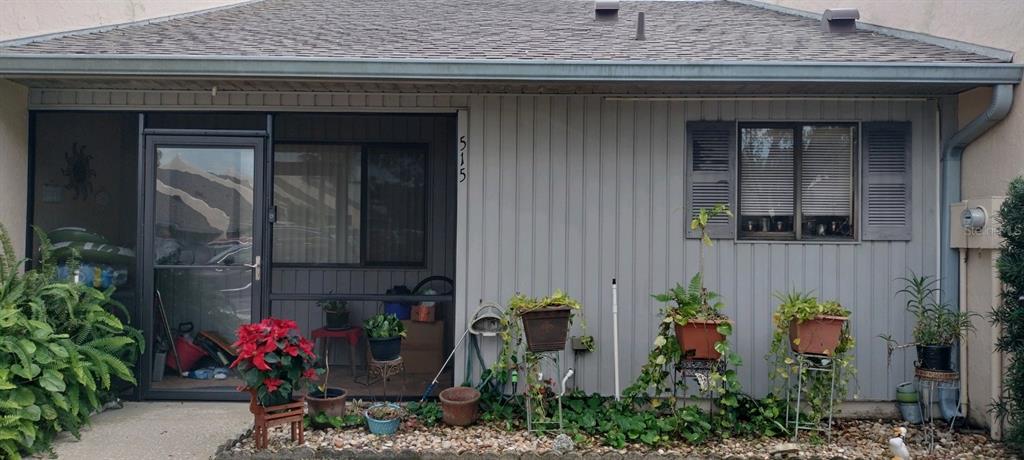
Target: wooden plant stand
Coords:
[(268, 417)]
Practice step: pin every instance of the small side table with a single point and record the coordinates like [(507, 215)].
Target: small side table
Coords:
[(351, 335), (382, 370)]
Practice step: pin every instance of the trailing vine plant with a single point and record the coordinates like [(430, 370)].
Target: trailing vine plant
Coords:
[(799, 307), (512, 358), (685, 303), (1010, 314)]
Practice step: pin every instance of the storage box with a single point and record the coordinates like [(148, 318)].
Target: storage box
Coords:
[(423, 335), (423, 347)]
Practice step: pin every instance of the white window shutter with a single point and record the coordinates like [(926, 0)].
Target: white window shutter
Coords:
[(886, 178), (710, 173)]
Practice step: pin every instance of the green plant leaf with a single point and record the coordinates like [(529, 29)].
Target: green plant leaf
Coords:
[(52, 380)]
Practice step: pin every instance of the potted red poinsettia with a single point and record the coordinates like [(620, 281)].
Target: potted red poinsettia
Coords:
[(272, 361)]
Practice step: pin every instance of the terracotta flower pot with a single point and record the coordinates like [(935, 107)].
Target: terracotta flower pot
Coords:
[(423, 313), (333, 403), (546, 329), (460, 406), (698, 337), (818, 336)]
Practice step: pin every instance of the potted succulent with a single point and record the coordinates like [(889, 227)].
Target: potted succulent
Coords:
[(460, 406), (383, 418), (336, 312), (937, 327), (384, 332), (546, 320), (272, 361), (696, 313), (324, 399)]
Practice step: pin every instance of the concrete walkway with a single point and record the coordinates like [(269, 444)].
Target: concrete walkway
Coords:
[(157, 430)]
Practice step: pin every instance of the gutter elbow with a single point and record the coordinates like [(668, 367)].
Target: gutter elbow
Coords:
[(998, 108)]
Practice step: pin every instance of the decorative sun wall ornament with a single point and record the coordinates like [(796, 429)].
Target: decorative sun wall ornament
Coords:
[(79, 171)]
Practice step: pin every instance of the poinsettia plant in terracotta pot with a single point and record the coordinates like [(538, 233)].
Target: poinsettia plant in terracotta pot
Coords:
[(272, 361)]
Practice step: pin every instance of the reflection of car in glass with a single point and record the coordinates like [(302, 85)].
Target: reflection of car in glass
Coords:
[(233, 284)]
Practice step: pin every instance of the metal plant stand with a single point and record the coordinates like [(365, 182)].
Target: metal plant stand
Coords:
[(699, 370), (542, 425), (810, 363), (932, 380), (377, 371)]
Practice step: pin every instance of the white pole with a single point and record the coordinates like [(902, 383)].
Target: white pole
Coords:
[(615, 334)]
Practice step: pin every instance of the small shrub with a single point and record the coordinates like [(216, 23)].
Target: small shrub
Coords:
[(1010, 314)]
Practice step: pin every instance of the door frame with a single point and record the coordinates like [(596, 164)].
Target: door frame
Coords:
[(148, 140)]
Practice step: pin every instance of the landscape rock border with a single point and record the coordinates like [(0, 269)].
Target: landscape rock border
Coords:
[(852, 439)]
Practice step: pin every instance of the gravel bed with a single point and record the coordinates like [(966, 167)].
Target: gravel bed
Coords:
[(850, 439)]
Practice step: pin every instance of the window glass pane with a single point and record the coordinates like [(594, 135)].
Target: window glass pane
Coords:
[(204, 205), (766, 181), (318, 199), (826, 181), (396, 204)]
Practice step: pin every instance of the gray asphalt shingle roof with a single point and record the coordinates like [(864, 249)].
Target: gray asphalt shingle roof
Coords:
[(496, 29)]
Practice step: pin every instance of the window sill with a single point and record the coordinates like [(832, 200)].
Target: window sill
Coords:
[(822, 242)]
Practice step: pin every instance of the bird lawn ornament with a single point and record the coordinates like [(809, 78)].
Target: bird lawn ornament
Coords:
[(897, 446)]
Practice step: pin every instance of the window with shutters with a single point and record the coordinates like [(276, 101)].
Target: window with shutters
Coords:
[(796, 181)]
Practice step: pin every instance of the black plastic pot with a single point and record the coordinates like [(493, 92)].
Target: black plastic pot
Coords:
[(337, 320), (386, 349), (935, 357)]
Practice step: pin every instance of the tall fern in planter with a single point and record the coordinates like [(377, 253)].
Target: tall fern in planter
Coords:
[(1010, 314), (60, 351)]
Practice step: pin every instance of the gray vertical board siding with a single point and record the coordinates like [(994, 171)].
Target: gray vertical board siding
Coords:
[(436, 131), (571, 191)]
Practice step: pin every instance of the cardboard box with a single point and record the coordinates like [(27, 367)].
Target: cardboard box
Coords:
[(423, 335), (423, 347)]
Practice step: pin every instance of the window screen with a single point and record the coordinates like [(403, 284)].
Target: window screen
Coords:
[(350, 204), (318, 194)]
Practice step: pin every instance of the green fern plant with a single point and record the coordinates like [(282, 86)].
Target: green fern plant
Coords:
[(61, 349)]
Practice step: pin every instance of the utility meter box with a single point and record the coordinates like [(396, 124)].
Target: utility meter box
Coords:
[(974, 223)]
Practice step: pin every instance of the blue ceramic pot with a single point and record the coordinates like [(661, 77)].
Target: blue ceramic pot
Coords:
[(382, 427)]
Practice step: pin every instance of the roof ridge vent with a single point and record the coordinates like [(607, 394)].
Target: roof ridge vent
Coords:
[(606, 9), (840, 20)]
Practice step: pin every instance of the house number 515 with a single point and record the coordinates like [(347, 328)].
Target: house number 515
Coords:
[(462, 159)]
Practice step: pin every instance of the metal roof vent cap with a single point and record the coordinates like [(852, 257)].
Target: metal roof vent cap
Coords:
[(840, 20), (606, 9)]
